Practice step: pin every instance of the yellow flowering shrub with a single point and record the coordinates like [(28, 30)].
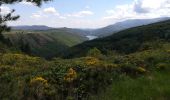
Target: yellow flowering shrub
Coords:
[(111, 65), (161, 66), (168, 51), (12, 59), (91, 61), (71, 75), (141, 69), (38, 81), (39, 88)]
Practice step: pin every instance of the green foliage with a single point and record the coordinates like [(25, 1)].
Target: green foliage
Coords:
[(143, 88), (5, 18), (94, 53)]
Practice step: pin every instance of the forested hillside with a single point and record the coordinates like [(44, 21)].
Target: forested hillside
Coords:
[(127, 41), (45, 43)]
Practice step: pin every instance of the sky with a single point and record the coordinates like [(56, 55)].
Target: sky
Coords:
[(86, 13)]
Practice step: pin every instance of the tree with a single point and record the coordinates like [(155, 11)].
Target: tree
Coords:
[(37, 2), (9, 17), (25, 46), (94, 52)]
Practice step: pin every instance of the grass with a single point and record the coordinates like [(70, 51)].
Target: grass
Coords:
[(152, 87)]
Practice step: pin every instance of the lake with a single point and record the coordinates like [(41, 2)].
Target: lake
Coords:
[(91, 37)]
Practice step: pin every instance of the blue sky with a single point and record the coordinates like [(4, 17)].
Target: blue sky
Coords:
[(87, 13)]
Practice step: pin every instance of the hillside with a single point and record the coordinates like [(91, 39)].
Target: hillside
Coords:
[(77, 31), (109, 30), (47, 43), (127, 41)]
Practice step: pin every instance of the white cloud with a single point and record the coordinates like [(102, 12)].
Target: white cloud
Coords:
[(4, 10), (50, 10), (81, 14), (62, 17), (139, 9), (36, 16), (27, 3)]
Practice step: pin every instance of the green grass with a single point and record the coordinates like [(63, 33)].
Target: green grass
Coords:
[(151, 87)]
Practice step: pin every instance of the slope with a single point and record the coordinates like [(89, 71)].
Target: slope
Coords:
[(47, 43), (127, 41), (109, 30)]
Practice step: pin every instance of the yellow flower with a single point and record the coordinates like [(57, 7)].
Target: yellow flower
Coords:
[(71, 75), (92, 61), (168, 51), (39, 80), (141, 69), (111, 65)]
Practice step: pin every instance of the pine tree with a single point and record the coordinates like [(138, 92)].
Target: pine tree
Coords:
[(9, 17), (4, 18)]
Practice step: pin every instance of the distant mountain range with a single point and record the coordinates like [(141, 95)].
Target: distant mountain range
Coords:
[(33, 27), (109, 30), (101, 32)]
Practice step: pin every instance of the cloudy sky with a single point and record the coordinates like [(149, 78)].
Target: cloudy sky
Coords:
[(87, 13)]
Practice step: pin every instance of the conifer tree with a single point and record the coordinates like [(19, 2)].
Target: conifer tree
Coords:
[(9, 17)]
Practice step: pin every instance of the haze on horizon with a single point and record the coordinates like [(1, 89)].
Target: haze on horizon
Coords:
[(87, 13)]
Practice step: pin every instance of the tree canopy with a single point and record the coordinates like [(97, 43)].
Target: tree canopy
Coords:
[(37, 2)]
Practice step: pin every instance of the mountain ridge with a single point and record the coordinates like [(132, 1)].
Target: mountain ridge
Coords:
[(99, 32)]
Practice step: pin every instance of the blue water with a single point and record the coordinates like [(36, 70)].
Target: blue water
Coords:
[(91, 37)]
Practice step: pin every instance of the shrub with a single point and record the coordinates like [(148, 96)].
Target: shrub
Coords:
[(161, 66), (94, 53), (141, 70), (71, 75), (38, 88)]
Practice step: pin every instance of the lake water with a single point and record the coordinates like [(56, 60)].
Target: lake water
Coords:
[(91, 37)]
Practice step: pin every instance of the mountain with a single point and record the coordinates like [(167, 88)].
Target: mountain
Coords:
[(81, 32), (97, 33), (33, 27), (49, 42), (45, 43), (126, 41), (109, 30)]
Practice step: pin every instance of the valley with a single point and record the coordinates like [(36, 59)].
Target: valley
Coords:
[(50, 42), (72, 64), (84, 49)]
